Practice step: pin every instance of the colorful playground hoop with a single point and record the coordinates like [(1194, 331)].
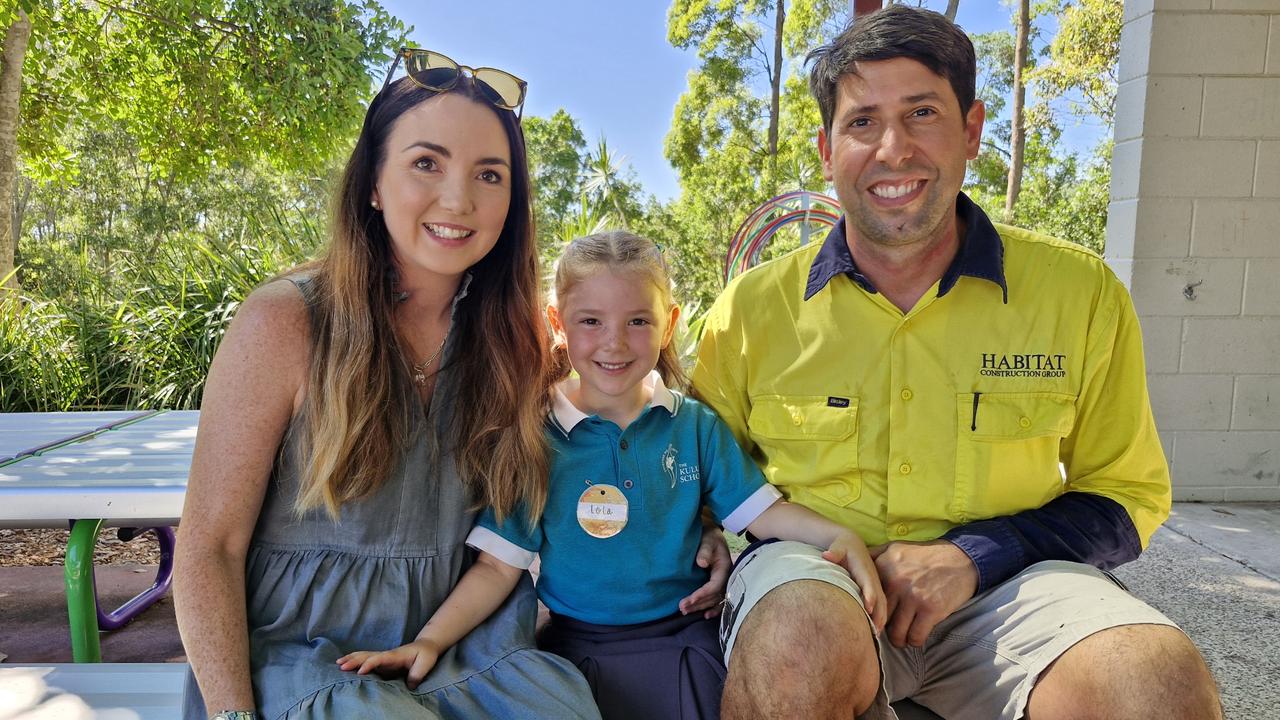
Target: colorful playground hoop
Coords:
[(814, 211)]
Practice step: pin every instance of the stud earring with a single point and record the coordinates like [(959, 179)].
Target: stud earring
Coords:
[(375, 204)]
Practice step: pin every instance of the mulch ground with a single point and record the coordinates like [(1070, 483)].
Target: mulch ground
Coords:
[(28, 548)]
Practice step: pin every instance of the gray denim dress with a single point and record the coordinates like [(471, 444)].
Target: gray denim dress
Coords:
[(317, 590)]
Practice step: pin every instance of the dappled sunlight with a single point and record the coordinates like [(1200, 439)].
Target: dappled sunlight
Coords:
[(1226, 528)]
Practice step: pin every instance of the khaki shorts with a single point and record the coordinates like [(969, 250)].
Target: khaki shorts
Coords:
[(984, 659)]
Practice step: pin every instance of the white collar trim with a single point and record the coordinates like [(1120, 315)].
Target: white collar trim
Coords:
[(566, 415)]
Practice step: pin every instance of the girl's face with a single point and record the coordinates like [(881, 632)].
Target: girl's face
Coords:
[(444, 186), (614, 326)]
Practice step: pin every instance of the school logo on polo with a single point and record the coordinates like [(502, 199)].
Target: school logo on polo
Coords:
[(677, 471), (1037, 365)]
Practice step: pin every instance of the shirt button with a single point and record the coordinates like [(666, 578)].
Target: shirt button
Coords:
[(1024, 422), (623, 444), (905, 469), (901, 529), (907, 394), (797, 419), (627, 484)]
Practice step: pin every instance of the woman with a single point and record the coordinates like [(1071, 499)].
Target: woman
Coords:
[(357, 412)]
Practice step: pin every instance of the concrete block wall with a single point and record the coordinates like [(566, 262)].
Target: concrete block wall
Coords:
[(1194, 230)]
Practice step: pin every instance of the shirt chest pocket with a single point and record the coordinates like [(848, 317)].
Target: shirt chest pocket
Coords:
[(1007, 452), (810, 445)]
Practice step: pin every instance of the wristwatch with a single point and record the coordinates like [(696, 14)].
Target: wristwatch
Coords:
[(236, 715)]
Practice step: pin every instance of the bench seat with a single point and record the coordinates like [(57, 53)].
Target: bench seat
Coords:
[(93, 691)]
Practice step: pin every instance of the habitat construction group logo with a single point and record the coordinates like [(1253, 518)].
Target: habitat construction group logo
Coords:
[(1036, 365)]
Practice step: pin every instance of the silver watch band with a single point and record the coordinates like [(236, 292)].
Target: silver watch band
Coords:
[(236, 715)]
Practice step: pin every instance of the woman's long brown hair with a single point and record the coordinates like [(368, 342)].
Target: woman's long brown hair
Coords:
[(360, 396)]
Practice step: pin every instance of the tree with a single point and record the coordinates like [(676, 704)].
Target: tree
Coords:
[(197, 83), (1017, 145), (1082, 58), (1064, 194), (16, 38), (744, 129), (556, 148), (606, 180)]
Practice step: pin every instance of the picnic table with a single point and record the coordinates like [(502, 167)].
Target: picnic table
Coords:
[(90, 470)]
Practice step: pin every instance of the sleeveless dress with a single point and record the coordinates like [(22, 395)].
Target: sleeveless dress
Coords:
[(316, 590)]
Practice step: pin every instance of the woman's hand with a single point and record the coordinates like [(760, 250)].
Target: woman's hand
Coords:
[(713, 554), (848, 551), (417, 658)]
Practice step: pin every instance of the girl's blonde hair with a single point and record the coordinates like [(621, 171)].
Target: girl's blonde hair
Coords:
[(619, 251), (360, 396)]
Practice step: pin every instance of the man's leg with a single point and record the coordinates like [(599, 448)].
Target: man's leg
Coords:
[(1073, 639), (797, 641), (805, 650), (1129, 671)]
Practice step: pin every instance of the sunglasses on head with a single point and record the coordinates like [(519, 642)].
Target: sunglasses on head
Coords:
[(434, 71)]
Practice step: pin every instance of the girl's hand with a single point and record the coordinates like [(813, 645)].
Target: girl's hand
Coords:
[(417, 657), (713, 554), (849, 551)]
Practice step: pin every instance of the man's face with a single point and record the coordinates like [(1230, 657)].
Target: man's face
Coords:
[(897, 150)]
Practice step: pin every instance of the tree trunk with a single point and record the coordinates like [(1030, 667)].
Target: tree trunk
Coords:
[(1017, 145), (775, 89), (952, 7), (15, 50)]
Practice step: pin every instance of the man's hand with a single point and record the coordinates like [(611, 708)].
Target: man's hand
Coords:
[(713, 553), (924, 583)]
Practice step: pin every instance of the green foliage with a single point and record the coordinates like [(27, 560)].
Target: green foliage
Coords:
[(611, 184), (119, 204), (576, 192), (718, 140), (175, 154), (202, 83), (1081, 63), (556, 148), (143, 337), (1062, 194)]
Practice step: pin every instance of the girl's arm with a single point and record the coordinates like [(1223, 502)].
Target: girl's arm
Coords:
[(476, 596), (253, 388), (795, 522)]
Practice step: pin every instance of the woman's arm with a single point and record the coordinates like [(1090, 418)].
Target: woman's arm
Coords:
[(254, 386), (478, 593)]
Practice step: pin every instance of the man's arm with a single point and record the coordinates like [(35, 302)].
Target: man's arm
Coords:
[(1077, 526)]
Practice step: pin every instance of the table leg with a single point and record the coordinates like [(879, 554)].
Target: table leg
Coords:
[(123, 615), (82, 603)]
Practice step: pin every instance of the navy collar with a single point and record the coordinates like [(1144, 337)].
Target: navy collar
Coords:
[(981, 255)]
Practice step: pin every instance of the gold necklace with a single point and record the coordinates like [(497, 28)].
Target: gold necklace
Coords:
[(420, 369)]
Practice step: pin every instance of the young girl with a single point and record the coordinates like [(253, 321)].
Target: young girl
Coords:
[(633, 462)]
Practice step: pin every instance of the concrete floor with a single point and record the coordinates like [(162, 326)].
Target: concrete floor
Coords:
[(1213, 568)]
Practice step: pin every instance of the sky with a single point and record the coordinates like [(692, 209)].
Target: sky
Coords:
[(607, 62)]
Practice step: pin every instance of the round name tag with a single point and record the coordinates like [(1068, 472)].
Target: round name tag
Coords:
[(602, 511)]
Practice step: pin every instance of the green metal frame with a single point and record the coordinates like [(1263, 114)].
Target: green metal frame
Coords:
[(82, 609)]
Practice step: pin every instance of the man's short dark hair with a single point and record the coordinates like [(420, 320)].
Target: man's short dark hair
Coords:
[(894, 32)]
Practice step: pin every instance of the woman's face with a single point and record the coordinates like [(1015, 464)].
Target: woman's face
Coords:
[(444, 186)]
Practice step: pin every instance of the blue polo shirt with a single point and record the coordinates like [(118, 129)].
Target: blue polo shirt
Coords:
[(668, 463)]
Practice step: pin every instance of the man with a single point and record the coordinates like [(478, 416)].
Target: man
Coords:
[(919, 377)]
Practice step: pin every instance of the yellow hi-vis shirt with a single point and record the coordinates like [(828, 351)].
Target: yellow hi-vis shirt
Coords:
[(903, 426)]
